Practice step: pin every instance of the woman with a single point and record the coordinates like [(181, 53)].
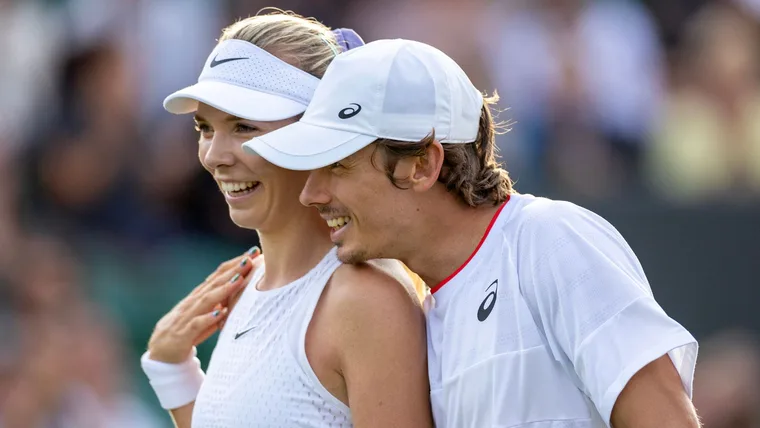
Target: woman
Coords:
[(308, 335)]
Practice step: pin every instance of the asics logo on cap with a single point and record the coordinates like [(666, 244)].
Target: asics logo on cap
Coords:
[(216, 62), (350, 112)]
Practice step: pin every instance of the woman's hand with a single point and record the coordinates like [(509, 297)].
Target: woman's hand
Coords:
[(200, 314)]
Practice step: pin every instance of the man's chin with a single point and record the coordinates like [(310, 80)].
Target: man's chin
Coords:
[(350, 257)]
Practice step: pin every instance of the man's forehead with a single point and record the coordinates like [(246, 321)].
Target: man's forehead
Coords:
[(359, 155)]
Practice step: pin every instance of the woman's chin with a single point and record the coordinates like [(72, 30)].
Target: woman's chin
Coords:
[(244, 219)]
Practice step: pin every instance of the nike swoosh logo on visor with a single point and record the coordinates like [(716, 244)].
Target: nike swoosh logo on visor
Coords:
[(215, 62)]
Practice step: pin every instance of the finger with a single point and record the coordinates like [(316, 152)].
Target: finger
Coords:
[(220, 270), (258, 262), (221, 319), (212, 297), (198, 302), (243, 267), (200, 325), (231, 300), (229, 264), (239, 261), (226, 271), (253, 252)]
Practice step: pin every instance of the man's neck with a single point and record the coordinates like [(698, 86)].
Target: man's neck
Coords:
[(292, 250), (446, 237)]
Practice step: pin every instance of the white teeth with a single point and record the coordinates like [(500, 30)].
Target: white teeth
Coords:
[(236, 186), (338, 222)]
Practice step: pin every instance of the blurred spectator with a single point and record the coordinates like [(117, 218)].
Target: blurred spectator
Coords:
[(671, 16), (707, 147), (83, 170), (726, 381), (448, 25), (63, 368), (9, 209), (583, 80), (30, 36), (168, 46)]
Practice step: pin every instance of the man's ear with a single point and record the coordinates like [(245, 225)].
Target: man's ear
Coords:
[(420, 173)]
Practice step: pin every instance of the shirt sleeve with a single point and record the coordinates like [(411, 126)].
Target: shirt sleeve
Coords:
[(588, 293)]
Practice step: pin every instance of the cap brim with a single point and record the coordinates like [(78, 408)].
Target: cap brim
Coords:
[(235, 100), (303, 147)]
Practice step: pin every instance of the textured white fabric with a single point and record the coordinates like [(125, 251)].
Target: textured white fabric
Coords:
[(397, 89), (546, 324), (174, 384), (248, 82), (263, 379)]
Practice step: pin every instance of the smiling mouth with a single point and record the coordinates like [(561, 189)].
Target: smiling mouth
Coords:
[(237, 189), (338, 223)]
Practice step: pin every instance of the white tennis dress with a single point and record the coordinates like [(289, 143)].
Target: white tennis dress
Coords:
[(259, 375)]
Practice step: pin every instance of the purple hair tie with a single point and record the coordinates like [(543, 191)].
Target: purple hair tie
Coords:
[(347, 38)]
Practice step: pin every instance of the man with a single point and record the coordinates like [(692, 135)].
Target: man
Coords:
[(540, 314)]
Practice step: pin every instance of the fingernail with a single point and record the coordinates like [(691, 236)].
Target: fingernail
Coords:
[(255, 249), (244, 262), (215, 313), (235, 278)]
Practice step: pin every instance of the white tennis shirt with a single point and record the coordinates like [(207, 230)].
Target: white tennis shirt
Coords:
[(546, 323)]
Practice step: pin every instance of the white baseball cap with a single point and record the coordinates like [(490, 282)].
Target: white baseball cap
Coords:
[(396, 89), (246, 81)]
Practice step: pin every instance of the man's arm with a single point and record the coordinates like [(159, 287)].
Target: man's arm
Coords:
[(654, 397), (381, 344), (589, 294)]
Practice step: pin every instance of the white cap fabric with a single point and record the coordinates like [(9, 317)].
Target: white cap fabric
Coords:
[(246, 81), (396, 89)]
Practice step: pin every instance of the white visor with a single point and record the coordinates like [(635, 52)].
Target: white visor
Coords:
[(246, 81)]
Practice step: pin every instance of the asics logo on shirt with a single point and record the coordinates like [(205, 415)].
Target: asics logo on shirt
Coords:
[(489, 302)]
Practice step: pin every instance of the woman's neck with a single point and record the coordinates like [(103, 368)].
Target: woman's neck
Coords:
[(292, 250)]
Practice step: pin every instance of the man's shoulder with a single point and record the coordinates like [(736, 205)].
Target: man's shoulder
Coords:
[(536, 210), (543, 215), (537, 226)]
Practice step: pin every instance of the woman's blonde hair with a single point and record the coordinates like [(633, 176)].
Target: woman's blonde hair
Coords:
[(301, 42)]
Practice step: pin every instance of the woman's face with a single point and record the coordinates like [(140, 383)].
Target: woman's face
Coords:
[(259, 194)]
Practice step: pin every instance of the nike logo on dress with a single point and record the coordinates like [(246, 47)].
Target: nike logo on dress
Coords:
[(215, 62), (237, 335)]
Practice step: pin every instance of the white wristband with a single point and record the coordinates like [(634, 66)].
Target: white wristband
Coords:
[(175, 384)]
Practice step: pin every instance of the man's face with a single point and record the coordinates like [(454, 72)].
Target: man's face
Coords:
[(366, 212)]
